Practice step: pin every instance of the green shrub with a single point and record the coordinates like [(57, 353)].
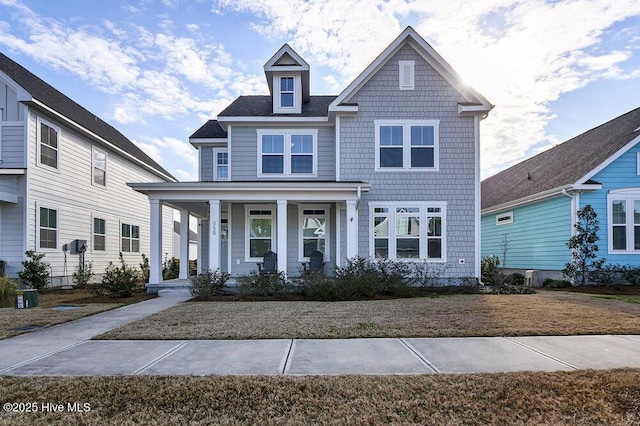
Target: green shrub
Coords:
[(255, 284), (490, 270), (317, 286), (170, 268), (83, 274), (35, 273), (145, 270), (8, 289), (208, 284), (515, 279), (549, 283), (510, 289), (118, 281), (426, 274), (630, 274)]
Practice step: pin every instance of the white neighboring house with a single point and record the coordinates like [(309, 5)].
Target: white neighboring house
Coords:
[(193, 242), (63, 175)]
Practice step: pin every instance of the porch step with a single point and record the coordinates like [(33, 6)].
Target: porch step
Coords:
[(173, 292)]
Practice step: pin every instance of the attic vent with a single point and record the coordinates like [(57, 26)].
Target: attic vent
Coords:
[(503, 219), (407, 74)]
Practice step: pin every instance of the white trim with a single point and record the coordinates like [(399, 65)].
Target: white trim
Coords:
[(423, 214), (338, 234), (287, 154), (337, 148), (95, 150), (504, 218), (477, 202), (638, 163), (297, 94), (406, 75), (95, 216), (327, 231), (274, 231), (57, 228), (608, 161), (277, 119), (629, 196), (406, 144), (302, 64), (39, 122), (12, 171)]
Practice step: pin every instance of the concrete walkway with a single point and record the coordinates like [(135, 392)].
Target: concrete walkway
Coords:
[(66, 350)]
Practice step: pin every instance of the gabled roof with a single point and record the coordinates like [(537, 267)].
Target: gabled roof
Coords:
[(45, 94), (262, 106), (287, 60), (475, 102), (571, 163)]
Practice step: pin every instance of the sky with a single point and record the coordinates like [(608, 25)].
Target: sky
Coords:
[(158, 69)]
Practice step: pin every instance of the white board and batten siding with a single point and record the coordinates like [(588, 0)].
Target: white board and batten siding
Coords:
[(70, 190)]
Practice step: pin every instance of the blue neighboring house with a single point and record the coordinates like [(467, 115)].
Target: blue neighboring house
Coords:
[(532, 206)]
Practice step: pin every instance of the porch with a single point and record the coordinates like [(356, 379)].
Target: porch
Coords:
[(239, 221)]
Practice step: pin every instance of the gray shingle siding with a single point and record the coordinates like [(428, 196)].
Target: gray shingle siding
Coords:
[(206, 163), (433, 98)]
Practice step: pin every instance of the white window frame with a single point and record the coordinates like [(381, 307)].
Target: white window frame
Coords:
[(297, 95), (216, 151), (274, 230), (38, 226), (628, 196), (302, 216), (93, 234), (95, 150), (39, 122), (423, 214), (287, 133), (406, 144), (638, 163), (406, 73), (131, 225), (504, 218)]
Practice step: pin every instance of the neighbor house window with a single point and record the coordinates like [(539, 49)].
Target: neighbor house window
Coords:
[(129, 238), (99, 167), (260, 235), (287, 92), (222, 165), (48, 140), (505, 218), (47, 228), (407, 74), (408, 231), (314, 231), (624, 221), (99, 234), (407, 145), (287, 152)]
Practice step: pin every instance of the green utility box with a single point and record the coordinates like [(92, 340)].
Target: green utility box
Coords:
[(26, 299)]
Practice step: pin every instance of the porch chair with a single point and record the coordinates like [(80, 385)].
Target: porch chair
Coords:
[(316, 263), (269, 263)]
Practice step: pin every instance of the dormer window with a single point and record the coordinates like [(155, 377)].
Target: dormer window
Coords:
[(286, 92)]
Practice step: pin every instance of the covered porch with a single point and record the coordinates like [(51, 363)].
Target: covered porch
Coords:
[(240, 221)]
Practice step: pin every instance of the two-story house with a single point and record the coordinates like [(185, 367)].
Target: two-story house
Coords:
[(63, 175), (389, 168)]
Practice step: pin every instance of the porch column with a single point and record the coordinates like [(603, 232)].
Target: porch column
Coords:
[(184, 245), (282, 236), (352, 229), (214, 234), (155, 241), (199, 250)]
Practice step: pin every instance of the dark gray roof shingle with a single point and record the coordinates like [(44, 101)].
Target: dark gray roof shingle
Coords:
[(210, 129), (262, 106), (55, 100), (563, 164)]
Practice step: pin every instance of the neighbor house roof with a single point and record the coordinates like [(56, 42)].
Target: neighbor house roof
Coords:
[(573, 162), (45, 94), (262, 106)]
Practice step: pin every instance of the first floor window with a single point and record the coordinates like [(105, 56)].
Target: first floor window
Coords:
[(408, 231), (313, 232), (624, 222), (130, 238), (406, 144), (48, 232), (260, 235), (99, 234), (48, 144)]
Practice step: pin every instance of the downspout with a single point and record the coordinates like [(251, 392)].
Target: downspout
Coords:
[(574, 196)]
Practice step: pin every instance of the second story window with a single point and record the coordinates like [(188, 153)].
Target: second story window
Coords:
[(286, 92), (407, 145), (47, 144), (99, 167), (222, 165), (287, 152)]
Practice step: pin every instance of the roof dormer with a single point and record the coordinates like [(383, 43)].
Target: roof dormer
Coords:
[(288, 78)]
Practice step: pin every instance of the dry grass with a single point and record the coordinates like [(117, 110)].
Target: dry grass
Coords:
[(546, 313), (582, 397), (45, 316)]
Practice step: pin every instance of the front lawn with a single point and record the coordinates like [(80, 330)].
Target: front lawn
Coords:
[(82, 303), (579, 397), (545, 313)]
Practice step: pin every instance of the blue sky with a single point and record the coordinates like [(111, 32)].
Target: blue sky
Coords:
[(158, 69)]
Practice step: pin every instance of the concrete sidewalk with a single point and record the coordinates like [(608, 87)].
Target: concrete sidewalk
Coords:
[(66, 350)]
